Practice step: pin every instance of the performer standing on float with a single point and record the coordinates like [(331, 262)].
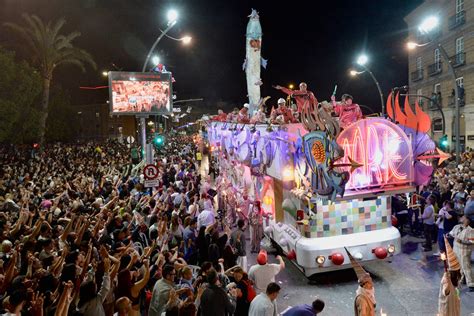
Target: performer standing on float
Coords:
[(302, 96), (256, 226), (347, 111)]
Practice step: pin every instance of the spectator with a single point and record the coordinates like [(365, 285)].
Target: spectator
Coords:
[(306, 310), (237, 240), (264, 273), (214, 300), (428, 222), (265, 303)]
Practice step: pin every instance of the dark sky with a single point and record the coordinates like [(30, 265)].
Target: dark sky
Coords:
[(311, 41)]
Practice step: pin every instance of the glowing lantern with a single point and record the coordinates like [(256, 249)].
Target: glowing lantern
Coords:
[(267, 200), (288, 174)]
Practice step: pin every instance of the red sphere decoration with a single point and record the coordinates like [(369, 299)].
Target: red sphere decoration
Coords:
[(337, 258), (291, 255), (380, 252), (394, 221)]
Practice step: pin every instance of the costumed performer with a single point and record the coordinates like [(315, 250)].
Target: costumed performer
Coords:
[(364, 303), (347, 111), (449, 303), (463, 244), (302, 96)]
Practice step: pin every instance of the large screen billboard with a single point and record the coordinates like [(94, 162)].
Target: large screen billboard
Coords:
[(140, 93)]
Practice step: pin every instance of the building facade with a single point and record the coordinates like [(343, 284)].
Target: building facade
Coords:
[(429, 74)]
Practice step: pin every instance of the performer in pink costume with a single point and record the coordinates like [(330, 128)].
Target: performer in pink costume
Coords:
[(302, 96), (347, 111), (244, 205)]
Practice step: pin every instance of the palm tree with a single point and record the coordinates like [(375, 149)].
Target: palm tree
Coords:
[(50, 49)]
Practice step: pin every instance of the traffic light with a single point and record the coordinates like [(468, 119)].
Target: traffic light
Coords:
[(159, 140), (443, 142)]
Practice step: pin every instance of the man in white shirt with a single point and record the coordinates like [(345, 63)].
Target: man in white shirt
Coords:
[(206, 218), (263, 273), (264, 304)]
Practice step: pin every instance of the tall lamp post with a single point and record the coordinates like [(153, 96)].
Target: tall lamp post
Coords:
[(172, 19), (362, 61), (426, 27)]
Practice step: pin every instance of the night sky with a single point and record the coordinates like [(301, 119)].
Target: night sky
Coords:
[(311, 41)]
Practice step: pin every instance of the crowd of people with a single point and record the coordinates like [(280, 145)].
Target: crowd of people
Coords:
[(82, 235), (444, 208)]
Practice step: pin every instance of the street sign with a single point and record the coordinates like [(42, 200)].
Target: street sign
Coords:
[(130, 139), (152, 183), (150, 172)]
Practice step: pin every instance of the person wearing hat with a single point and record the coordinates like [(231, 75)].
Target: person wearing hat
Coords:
[(282, 114), (244, 116), (463, 235), (304, 98), (347, 111), (449, 303), (364, 303), (263, 273)]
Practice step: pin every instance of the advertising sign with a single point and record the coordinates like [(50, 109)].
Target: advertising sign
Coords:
[(133, 93)]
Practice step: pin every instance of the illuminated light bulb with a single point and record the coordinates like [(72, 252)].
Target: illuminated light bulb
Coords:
[(288, 174)]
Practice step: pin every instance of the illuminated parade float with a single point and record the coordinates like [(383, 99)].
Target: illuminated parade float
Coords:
[(321, 187)]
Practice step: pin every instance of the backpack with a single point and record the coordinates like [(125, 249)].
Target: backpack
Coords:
[(250, 291)]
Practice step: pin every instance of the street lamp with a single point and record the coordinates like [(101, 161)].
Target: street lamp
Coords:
[(105, 73), (354, 73), (155, 60), (172, 16), (291, 86), (186, 40), (427, 25), (362, 61)]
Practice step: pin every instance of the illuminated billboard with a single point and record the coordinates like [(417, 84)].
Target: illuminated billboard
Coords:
[(140, 93)]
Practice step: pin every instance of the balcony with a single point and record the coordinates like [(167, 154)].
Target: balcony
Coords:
[(417, 75), (434, 69), (459, 59), (451, 101), (457, 20)]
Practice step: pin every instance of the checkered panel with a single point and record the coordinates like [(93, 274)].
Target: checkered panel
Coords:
[(347, 217)]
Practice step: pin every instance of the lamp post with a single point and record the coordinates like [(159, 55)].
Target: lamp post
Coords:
[(172, 19), (428, 25), (362, 61)]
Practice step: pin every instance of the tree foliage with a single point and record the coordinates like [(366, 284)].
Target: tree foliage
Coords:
[(20, 90), (48, 50)]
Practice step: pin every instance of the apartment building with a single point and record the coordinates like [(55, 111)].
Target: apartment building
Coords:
[(429, 73)]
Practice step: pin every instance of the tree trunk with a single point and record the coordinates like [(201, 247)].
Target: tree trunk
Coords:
[(44, 108)]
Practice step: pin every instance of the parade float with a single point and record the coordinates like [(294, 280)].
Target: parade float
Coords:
[(321, 187)]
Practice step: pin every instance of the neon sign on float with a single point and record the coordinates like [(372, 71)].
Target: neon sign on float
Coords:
[(382, 148)]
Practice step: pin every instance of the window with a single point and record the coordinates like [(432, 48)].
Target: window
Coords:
[(459, 50), (419, 63), (437, 59), (460, 82), (419, 99), (459, 6), (437, 88), (437, 125)]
